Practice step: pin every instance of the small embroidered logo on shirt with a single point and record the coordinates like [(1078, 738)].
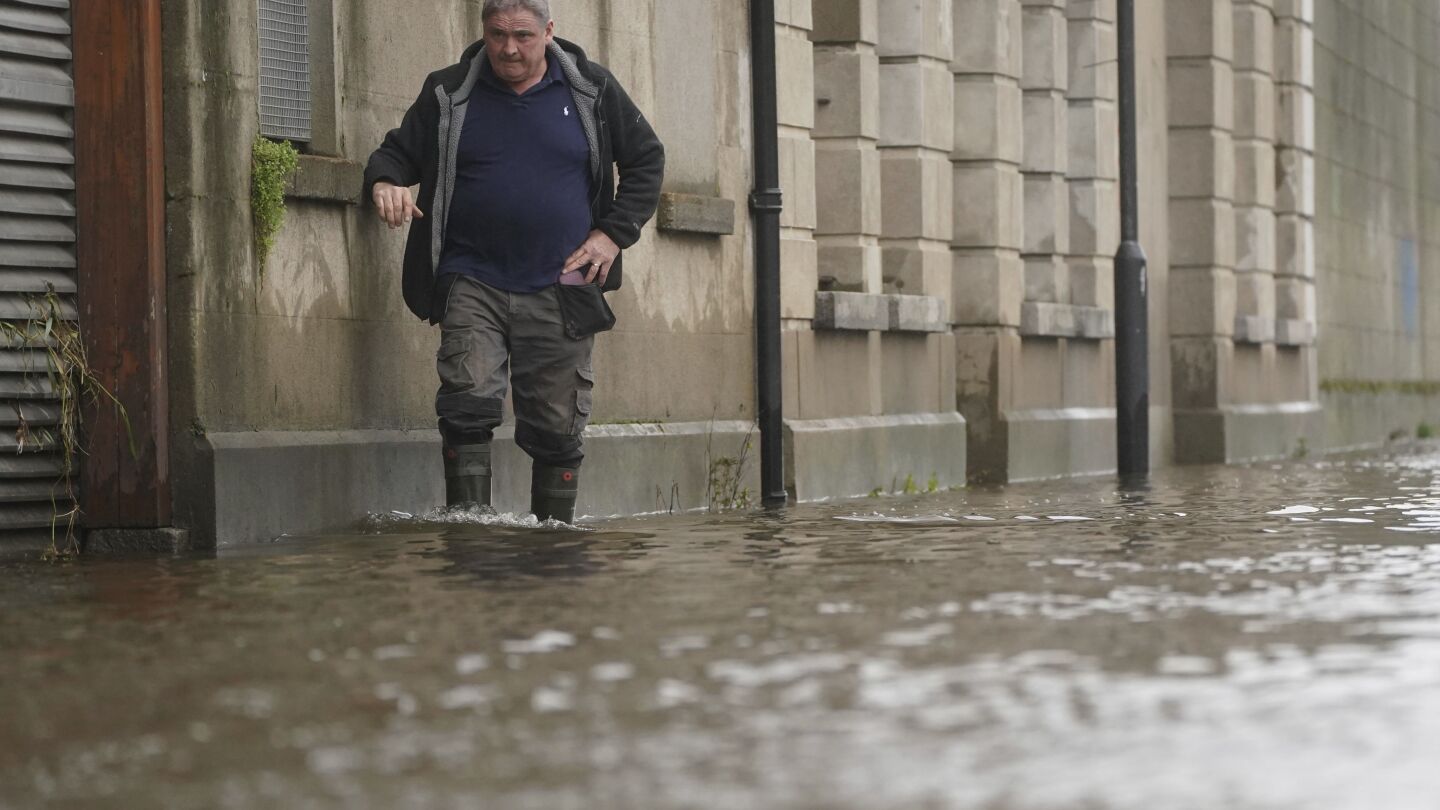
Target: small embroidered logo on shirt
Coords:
[(567, 112)]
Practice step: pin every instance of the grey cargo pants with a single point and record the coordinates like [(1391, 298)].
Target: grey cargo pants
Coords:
[(488, 335)]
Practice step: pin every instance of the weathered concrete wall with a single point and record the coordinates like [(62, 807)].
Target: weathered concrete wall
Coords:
[(949, 170), (1377, 114), (319, 339), (311, 366)]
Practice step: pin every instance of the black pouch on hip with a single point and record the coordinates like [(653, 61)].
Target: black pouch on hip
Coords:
[(584, 310)]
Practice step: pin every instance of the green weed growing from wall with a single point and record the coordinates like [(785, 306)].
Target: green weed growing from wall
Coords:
[(272, 164), (1424, 388), (725, 488)]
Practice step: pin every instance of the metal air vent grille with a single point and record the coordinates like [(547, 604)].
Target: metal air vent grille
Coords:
[(284, 70), (37, 253)]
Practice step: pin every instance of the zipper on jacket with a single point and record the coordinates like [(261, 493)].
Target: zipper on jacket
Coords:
[(600, 145), (442, 179), (449, 188), (453, 119)]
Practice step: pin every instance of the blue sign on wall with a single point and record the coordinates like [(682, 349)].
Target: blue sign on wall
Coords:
[(1409, 288)]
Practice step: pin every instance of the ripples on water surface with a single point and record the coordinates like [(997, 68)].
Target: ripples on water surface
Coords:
[(1251, 637)]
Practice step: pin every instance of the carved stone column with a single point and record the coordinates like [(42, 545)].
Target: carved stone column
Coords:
[(916, 136), (987, 234), (1254, 139), (1094, 167), (1200, 85), (847, 131), (1045, 160), (1295, 181)]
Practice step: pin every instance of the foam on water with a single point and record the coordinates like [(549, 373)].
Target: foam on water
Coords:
[(381, 523)]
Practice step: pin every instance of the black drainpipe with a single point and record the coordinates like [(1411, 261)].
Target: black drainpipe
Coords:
[(1132, 354), (765, 207)]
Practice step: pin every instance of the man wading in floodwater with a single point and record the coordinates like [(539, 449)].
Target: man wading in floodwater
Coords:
[(515, 150)]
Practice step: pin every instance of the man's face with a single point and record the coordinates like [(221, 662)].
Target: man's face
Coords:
[(516, 42)]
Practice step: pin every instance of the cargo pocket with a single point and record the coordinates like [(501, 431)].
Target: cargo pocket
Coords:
[(450, 363), (584, 390)]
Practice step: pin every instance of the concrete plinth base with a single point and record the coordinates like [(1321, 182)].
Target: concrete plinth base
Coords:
[(266, 484), (1357, 419), (855, 456), (1239, 433), (647, 467), (1053, 443)]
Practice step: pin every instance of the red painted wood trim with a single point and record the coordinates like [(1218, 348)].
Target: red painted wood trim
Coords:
[(120, 222)]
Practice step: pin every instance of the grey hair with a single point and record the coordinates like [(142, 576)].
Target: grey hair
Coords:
[(540, 8)]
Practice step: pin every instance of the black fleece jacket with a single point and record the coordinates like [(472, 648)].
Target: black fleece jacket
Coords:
[(422, 150)]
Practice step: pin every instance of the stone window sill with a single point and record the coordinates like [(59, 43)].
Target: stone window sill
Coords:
[(1292, 332), (323, 179), (1040, 319), (1254, 329), (693, 213), (874, 312)]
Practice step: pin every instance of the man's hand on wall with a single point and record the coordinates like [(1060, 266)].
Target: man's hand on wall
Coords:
[(595, 256), (395, 204)]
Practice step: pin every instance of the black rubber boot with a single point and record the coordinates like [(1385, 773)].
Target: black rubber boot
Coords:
[(553, 491), (467, 475)]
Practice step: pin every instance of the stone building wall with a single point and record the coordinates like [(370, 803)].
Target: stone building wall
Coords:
[(1227, 172), (950, 174), (1377, 222), (304, 389), (1036, 224), (1242, 333)]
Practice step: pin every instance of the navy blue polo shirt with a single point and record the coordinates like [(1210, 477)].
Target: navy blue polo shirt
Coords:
[(522, 186)]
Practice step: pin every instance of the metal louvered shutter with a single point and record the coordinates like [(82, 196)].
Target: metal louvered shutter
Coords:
[(284, 70), (37, 247)]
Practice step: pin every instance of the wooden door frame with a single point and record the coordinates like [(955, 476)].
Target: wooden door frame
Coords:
[(120, 256)]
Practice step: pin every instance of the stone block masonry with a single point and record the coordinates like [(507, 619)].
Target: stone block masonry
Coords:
[(881, 137), (1094, 167), (1045, 161), (1294, 295), (916, 136), (1200, 89), (988, 273), (847, 131), (1233, 376), (1254, 142), (988, 189), (950, 180), (795, 60)]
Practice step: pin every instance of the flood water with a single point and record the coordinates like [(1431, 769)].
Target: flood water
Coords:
[(1264, 636)]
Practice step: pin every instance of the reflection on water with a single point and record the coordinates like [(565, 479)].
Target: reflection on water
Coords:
[(1254, 637)]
